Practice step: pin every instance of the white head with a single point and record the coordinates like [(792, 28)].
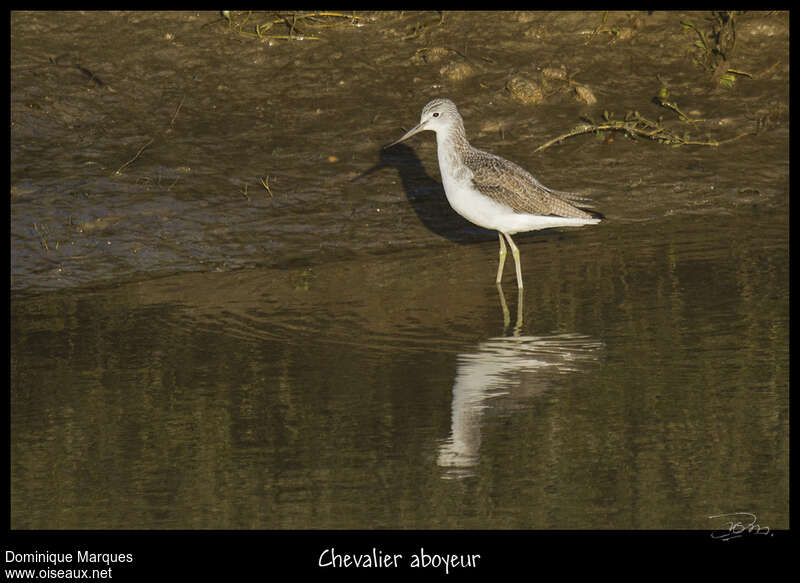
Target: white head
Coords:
[(438, 115)]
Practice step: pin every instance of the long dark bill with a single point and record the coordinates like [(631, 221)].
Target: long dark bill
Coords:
[(415, 130)]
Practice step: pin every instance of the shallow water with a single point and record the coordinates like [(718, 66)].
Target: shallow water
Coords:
[(190, 350)]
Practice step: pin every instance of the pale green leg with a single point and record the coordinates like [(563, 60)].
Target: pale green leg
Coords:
[(515, 253), (502, 258)]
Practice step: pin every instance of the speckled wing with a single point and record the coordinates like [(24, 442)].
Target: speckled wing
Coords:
[(517, 188)]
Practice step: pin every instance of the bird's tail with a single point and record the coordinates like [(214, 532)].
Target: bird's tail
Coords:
[(583, 203)]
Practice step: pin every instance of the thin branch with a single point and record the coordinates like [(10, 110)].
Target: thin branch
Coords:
[(139, 153)]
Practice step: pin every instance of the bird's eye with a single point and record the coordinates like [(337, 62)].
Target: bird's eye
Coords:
[(436, 114)]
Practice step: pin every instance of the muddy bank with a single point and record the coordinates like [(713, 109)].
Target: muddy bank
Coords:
[(146, 144)]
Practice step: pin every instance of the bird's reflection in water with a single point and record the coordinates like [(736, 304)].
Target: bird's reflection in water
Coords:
[(502, 373), (506, 313)]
